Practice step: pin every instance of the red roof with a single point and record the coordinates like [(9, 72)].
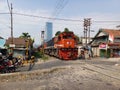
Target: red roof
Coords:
[(112, 31)]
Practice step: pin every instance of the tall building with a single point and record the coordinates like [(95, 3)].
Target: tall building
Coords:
[(49, 31)]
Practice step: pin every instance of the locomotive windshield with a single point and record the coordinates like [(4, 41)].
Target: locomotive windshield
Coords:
[(67, 37)]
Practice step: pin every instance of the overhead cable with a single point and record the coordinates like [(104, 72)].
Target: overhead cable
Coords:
[(61, 19)]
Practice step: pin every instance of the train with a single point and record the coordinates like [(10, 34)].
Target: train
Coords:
[(62, 46)]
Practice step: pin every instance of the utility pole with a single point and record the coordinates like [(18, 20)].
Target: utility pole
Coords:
[(11, 16), (11, 45), (87, 23), (11, 24), (85, 30)]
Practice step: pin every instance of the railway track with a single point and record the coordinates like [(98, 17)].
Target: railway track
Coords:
[(112, 73)]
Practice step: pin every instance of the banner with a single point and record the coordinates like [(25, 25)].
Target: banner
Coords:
[(103, 46), (111, 37)]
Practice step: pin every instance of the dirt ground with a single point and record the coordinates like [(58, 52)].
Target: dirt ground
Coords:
[(72, 77)]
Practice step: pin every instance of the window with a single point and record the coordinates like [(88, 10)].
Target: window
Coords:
[(59, 38), (67, 37)]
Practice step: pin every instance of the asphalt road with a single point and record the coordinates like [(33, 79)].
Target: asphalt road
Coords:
[(56, 62), (95, 74)]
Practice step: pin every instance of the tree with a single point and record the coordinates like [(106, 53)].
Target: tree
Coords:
[(25, 35), (28, 38), (77, 38), (57, 33), (66, 30)]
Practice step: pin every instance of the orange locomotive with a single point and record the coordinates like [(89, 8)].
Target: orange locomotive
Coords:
[(63, 46)]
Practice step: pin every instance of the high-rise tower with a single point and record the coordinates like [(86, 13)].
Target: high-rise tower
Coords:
[(49, 31)]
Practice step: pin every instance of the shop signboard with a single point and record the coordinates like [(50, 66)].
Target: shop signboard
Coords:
[(103, 46), (11, 45)]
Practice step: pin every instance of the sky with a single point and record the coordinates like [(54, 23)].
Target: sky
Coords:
[(103, 14)]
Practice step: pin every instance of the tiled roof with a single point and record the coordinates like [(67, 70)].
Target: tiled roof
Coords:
[(16, 41), (112, 31)]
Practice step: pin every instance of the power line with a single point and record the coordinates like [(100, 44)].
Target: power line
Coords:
[(59, 7), (73, 20), (56, 7), (48, 17), (61, 19), (105, 21), (5, 13), (8, 6)]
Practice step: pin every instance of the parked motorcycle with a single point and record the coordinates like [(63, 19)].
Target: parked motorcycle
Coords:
[(7, 66)]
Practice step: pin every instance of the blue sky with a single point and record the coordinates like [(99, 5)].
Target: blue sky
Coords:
[(98, 10)]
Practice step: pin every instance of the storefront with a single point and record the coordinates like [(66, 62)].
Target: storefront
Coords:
[(109, 50), (107, 42), (114, 49), (103, 48)]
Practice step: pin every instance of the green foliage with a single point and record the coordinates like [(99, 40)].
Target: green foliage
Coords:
[(77, 38), (57, 33), (25, 35), (38, 54), (66, 30), (44, 57)]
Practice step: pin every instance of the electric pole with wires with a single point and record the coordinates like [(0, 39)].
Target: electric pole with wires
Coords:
[(12, 45), (87, 24)]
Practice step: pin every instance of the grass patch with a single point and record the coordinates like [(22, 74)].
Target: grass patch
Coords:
[(45, 58)]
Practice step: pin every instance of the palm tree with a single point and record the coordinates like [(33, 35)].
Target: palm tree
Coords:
[(25, 35), (28, 38)]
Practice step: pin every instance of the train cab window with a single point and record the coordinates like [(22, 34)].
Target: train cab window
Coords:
[(59, 38), (67, 37), (70, 37), (75, 39), (64, 37)]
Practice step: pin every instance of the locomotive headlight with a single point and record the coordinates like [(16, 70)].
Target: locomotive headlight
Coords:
[(68, 42)]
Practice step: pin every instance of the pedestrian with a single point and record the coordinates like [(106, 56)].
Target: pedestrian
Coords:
[(86, 54)]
